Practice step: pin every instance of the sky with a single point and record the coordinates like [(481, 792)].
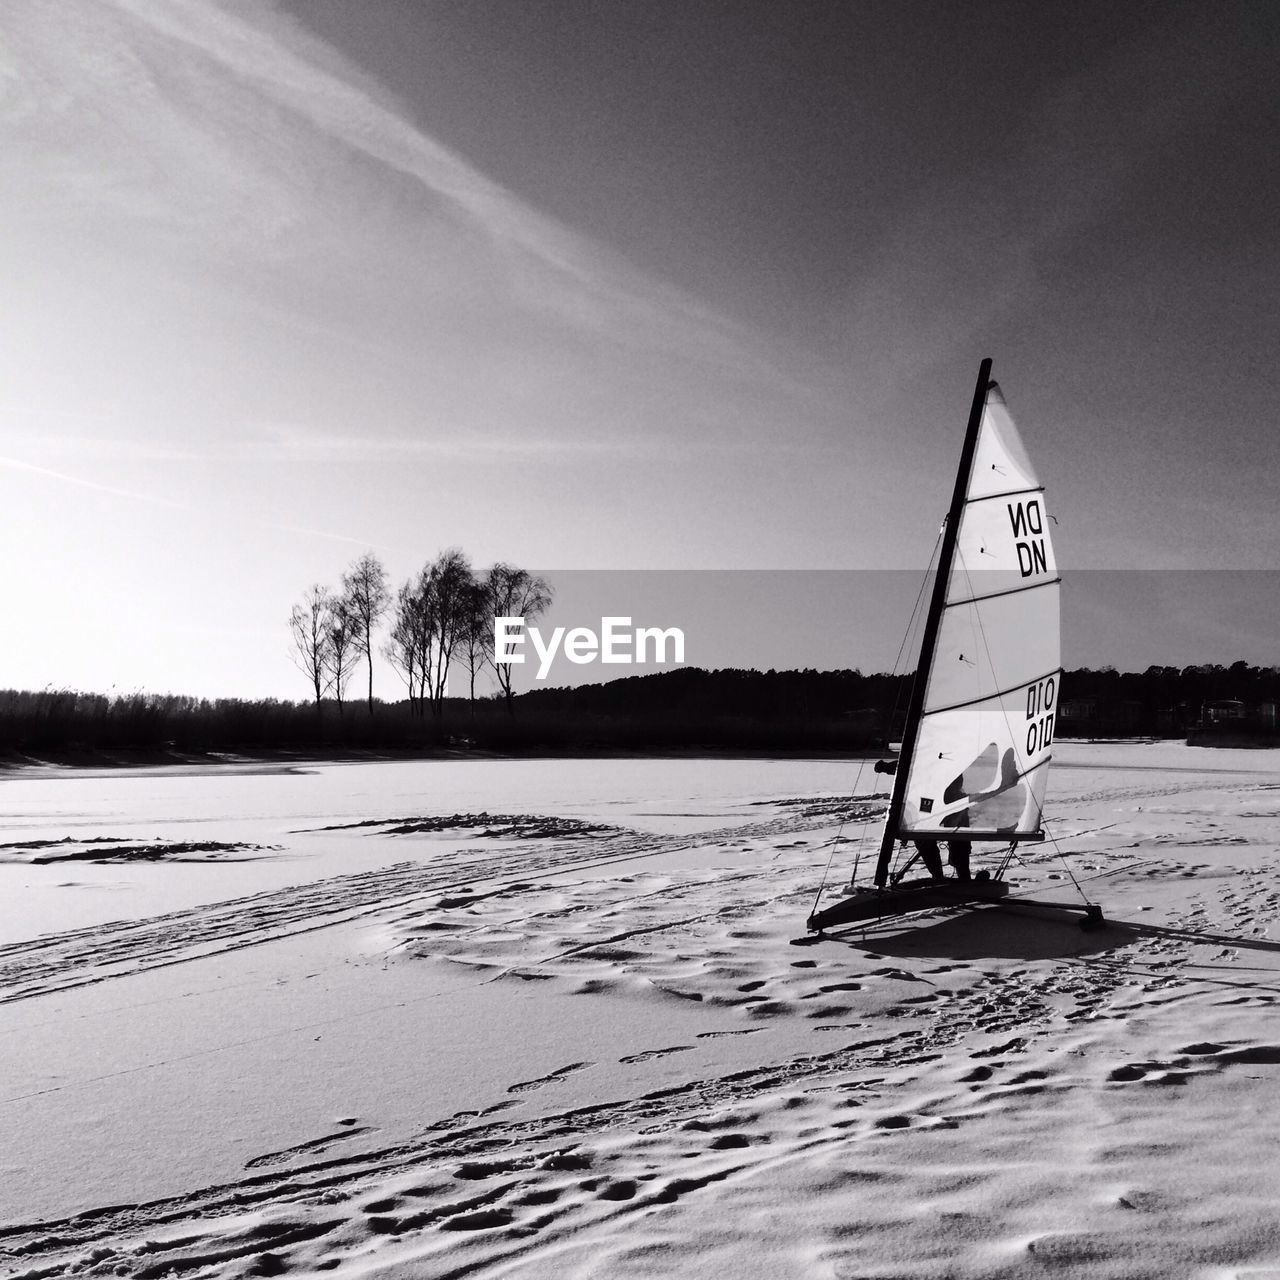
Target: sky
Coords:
[(620, 286)]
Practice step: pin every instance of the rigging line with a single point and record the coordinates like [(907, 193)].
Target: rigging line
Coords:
[(1115, 871), (915, 608), (907, 636), (835, 840), (1049, 853), (913, 626), (1066, 866), (897, 662), (826, 871), (1101, 875), (864, 828), (1010, 855), (1090, 831)]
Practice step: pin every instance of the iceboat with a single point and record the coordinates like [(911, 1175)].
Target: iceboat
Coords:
[(978, 740)]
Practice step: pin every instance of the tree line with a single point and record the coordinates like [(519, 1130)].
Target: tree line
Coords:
[(1164, 700), (1161, 701), (440, 619), (688, 709)]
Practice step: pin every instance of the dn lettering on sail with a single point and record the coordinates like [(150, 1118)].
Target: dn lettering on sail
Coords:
[(1027, 519), (1041, 697)]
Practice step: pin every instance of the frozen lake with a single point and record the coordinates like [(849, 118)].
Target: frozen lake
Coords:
[(587, 1033), (281, 810)]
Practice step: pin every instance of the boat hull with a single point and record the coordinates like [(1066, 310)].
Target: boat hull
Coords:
[(922, 894)]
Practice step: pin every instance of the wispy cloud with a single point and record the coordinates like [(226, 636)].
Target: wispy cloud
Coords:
[(134, 495), (339, 263), (324, 534), (106, 447), (227, 124), (304, 444), (296, 443), (299, 443), (155, 499)]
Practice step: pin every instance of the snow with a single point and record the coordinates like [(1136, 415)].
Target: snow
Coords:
[(276, 1042)]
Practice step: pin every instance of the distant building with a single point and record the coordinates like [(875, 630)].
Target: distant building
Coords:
[(1223, 711), (1091, 714), (1233, 716), (1073, 711)]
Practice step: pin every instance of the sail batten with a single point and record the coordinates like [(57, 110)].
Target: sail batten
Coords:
[(988, 697), (1007, 493), (995, 595)]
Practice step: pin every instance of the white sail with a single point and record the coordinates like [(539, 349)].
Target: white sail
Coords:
[(985, 733)]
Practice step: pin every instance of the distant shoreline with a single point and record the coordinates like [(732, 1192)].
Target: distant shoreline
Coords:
[(12, 763)]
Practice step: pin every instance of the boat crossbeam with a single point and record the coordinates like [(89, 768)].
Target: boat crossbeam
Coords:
[(1092, 913)]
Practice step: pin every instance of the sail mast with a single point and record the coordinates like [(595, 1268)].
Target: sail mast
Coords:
[(936, 603)]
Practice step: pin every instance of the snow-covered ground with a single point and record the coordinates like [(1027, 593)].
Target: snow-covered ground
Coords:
[(562, 1018)]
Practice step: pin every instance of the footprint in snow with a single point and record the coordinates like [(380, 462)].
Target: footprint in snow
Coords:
[(526, 1086), (656, 1053)]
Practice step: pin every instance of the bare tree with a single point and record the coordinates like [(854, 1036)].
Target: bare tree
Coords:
[(344, 648), (446, 610), (406, 647), (432, 619), (514, 593), (310, 625), (476, 641), (365, 595)]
